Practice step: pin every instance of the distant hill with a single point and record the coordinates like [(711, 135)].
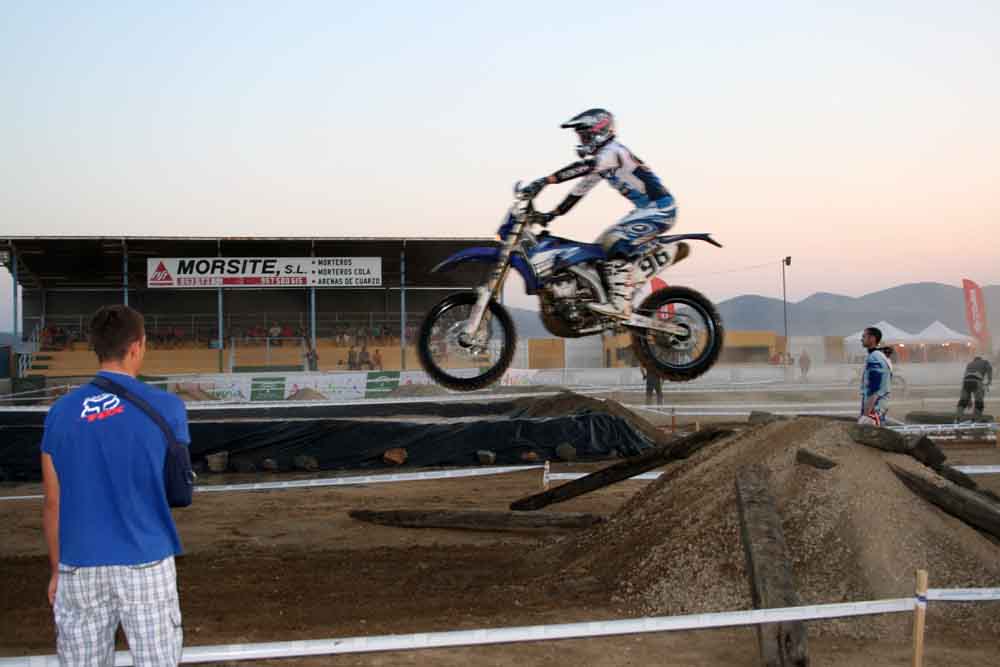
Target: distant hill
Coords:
[(910, 307)]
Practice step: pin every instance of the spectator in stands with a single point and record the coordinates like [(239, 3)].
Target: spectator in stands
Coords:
[(287, 331), (352, 359), (805, 363), (654, 382), (111, 538), (312, 358), (377, 361), (364, 358), (274, 333)]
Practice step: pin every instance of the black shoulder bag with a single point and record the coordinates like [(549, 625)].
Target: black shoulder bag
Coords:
[(178, 477)]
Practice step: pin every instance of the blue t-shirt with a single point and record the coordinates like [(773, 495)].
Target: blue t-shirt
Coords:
[(109, 457)]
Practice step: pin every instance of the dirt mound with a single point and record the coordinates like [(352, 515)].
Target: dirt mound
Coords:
[(193, 393), (306, 394), (416, 390), (569, 403), (854, 532), (524, 388)]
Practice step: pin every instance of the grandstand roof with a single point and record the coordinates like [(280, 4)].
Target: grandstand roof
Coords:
[(88, 262)]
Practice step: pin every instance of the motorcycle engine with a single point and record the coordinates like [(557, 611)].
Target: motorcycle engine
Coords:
[(564, 305)]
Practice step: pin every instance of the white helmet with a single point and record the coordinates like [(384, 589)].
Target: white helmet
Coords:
[(594, 127)]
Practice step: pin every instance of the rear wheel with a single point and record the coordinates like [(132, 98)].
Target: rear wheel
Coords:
[(685, 356), (466, 365)]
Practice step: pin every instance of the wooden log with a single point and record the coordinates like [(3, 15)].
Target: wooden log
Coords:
[(478, 520), (769, 568), (919, 447), (955, 476), (972, 507), (630, 467), (879, 438), (811, 458), (761, 417), (924, 450)]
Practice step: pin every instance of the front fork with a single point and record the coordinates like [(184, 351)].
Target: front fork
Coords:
[(492, 289)]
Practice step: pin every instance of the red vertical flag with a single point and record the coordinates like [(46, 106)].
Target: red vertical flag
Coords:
[(975, 311)]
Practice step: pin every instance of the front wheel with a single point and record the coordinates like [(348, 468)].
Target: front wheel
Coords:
[(679, 357), (462, 363)]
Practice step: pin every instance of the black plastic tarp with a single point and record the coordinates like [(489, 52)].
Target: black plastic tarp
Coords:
[(306, 410), (345, 443)]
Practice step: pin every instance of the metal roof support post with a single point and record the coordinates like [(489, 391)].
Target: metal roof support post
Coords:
[(312, 307), (219, 338), (402, 307), (125, 270), (13, 274), (43, 307)]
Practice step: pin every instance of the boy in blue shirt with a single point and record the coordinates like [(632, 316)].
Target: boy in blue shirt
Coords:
[(110, 535)]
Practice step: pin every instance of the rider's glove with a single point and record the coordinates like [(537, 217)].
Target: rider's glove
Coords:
[(545, 218), (533, 188)]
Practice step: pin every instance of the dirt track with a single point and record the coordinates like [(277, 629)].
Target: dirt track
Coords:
[(282, 565)]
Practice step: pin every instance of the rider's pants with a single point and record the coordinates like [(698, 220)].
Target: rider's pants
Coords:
[(627, 237), (972, 389)]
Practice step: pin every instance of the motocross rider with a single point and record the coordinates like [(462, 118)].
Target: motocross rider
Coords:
[(654, 214)]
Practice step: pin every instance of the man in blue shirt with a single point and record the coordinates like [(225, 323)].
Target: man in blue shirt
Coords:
[(110, 535), (876, 379)]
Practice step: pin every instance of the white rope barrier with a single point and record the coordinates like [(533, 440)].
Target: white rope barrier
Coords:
[(978, 470), (439, 474), (344, 481), (946, 428), (483, 636), (963, 594)]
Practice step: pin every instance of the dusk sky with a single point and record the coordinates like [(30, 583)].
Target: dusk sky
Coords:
[(864, 142)]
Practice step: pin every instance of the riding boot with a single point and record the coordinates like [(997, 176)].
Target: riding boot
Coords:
[(621, 287)]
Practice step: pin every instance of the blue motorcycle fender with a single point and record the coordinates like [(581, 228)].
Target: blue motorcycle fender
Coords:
[(490, 255)]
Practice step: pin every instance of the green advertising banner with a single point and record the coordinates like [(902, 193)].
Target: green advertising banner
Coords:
[(267, 389), (380, 383)]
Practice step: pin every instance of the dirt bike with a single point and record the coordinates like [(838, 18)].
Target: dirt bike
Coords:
[(467, 340)]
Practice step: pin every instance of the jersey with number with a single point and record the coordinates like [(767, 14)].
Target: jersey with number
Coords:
[(621, 169), (876, 380)]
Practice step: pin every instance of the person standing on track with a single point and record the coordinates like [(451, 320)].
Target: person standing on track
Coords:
[(110, 535), (876, 380)]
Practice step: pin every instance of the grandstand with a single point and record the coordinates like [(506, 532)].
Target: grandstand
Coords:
[(263, 325)]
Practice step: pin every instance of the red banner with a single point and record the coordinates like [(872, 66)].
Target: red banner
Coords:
[(975, 311)]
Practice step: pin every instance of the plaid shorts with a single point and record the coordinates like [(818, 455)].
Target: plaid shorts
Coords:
[(92, 601)]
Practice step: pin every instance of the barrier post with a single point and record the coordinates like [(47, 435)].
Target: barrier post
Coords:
[(919, 619), (673, 420), (545, 476)]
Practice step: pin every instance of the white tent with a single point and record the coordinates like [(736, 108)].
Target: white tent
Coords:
[(939, 334), (891, 335)]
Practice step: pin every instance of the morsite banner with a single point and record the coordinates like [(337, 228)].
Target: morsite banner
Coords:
[(202, 272), (975, 311)]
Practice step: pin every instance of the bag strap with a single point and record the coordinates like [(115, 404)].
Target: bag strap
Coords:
[(109, 385)]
